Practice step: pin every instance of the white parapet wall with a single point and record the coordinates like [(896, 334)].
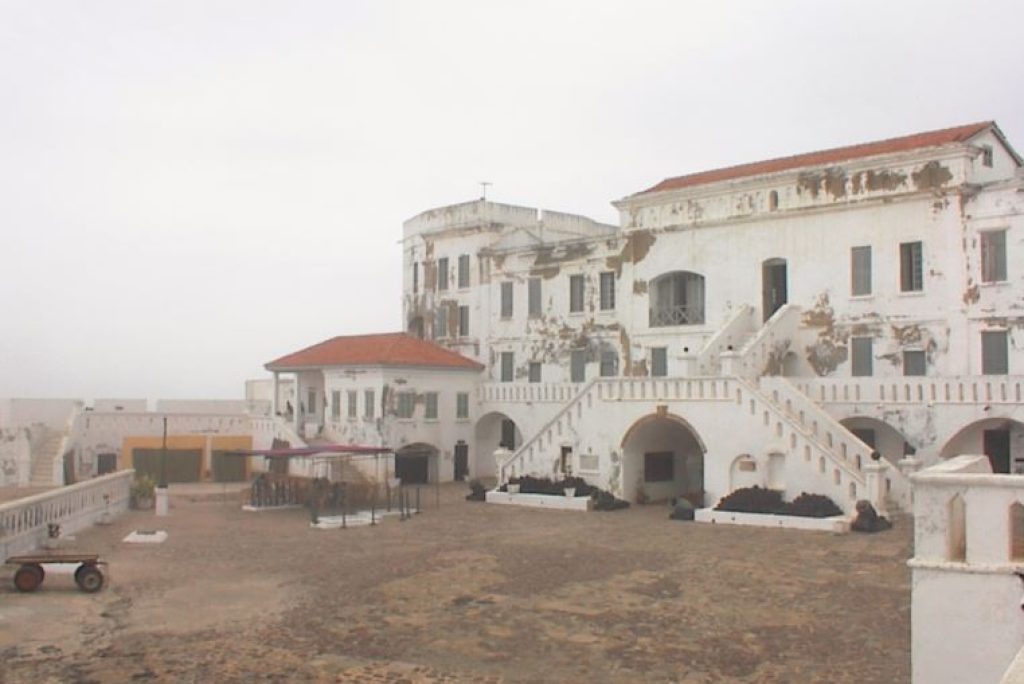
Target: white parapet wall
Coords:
[(24, 522), (967, 622)]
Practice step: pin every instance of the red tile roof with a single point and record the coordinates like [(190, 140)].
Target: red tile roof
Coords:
[(945, 136), (386, 349)]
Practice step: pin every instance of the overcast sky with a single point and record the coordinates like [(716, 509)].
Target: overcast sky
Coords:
[(190, 189)]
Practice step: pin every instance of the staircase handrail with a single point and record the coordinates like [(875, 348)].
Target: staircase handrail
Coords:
[(707, 360), (750, 361), (521, 451), (832, 425)]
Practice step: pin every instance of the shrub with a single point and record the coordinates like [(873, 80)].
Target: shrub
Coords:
[(753, 500), (477, 491), (813, 506), (606, 501)]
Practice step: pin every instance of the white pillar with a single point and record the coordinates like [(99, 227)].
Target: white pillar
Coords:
[(295, 408), (874, 475), (162, 502), (501, 454), (274, 406)]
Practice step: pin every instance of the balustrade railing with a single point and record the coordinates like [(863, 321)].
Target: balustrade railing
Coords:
[(24, 522), (676, 314), (987, 389)]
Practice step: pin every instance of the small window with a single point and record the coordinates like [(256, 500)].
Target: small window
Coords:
[(995, 359), (535, 369), (575, 293), (659, 362), (911, 267), (463, 321), (441, 322), (913, 362), (406, 402), (415, 277), (353, 410), (956, 529), (986, 156), (1016, 532), (507, 366), (659, 466), (860, 271), (368, 401), (607, 291), (442, 273), (578, 365), (609, 364), (506, 300), (773, 200), (534, 297), (311, 405), (336, 404), (462, 405), (463, 271), (993, 256), (430, 406), (860, 350)]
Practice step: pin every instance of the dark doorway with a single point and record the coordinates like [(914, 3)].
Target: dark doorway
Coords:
[(69, 468), (228, 468), (413, 467), (996, 444), (566, 459), (461, 461), (508, 434), (774, 290), (106, 463), (183, 465)]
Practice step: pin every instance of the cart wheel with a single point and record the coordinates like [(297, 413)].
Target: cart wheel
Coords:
[(29, 577), (89, 578)]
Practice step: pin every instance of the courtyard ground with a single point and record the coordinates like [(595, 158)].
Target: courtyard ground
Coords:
[(466, 592)]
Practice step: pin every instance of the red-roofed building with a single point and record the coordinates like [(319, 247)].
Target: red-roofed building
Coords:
[(389, 389)]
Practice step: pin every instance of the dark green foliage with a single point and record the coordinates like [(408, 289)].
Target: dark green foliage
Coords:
[(477, 491), (753, 500), (603, 501), (760, 500), (813, 506)]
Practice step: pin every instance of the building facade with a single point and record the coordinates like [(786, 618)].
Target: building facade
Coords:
[(772, 323)]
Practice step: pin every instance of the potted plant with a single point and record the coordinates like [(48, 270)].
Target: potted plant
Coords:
[(513, 486), (142, 492)]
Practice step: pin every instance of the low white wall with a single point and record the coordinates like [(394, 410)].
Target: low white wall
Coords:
[(561, 503), (23, 522), (835, 524), (966, 619)]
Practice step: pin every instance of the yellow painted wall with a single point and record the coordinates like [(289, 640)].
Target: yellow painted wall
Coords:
[(192, 442)]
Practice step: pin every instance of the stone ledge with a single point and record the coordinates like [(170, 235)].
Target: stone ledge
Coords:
[(562, 503), (839, 524)]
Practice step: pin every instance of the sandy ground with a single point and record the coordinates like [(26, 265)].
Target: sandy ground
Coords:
[(467, 592)]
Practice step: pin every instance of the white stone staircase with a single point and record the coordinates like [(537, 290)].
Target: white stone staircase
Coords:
[(46, 453)]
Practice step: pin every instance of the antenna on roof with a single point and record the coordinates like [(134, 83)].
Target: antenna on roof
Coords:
[(483, 185)]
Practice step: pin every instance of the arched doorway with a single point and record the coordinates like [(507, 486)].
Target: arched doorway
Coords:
[(416, 464), (1001, 439), (663, 458), (880, 436), (493, 431)]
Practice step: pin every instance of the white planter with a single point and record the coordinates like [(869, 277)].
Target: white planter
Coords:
[(838, 523), (562, 503), (570, 492), (513, 489)]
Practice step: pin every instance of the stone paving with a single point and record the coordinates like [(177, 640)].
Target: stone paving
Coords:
[(467, 592)]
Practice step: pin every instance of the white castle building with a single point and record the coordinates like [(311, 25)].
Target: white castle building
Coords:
[(772, 323)]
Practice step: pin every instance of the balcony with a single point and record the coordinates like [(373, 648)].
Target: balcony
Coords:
[(676, 314)]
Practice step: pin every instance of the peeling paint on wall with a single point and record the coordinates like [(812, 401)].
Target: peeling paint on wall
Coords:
[(637, 246), (931, 176), (830, 350)]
